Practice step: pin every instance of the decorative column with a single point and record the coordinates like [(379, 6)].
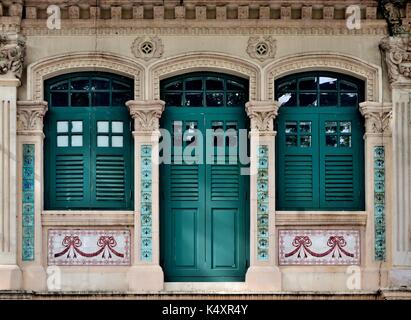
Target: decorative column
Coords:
[(397, 52), (378, 186), (263, 273), (30, 192), (11, 65), (146, 274)]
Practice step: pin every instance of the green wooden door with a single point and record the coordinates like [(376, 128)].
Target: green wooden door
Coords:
[(204, 197)]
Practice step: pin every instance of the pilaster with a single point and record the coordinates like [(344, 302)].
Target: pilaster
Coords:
[(30, 150), (146, 274), (263, 273)]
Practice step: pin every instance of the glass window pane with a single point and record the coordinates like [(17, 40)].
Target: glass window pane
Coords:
[(214, 84), (231, 125), (117, 141), (328, 99), (215, 99), (291, 141), (120, 85), (308, 83), (345, 85), (327, 83), (101, 99), (176, 85), (62, 141), (117, 127), (331, 141), (345, 126), (102, 141), (232, 85), (235, 99), (60, 86), (173, 99), (77, 141), (62, 126), (100, 84), (287, 100), (194, 99), (287, 86), (291, 127), (215, 125), (120, 98), (59, 99), (330, 127), (102, 126), (305, 141), (79, 99), (345, 141), (305, 126), (194, 84), (308, 100), (82, 84), (349, 99), (76, 126)]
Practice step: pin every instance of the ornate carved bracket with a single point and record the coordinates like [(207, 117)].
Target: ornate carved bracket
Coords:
[(12, 51), (262, 114), (397, 53), (30, 116), (146, 114), (377, 116)]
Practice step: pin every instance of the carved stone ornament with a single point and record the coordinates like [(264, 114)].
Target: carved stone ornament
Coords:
[(12, 51), (147, 47), (397, 51), (262, 48), (146, 114), (30, 115), (262, 114), (394, 13), (378, 117)]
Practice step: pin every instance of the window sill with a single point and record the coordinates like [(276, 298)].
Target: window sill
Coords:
[(316, 218), (87, 218)]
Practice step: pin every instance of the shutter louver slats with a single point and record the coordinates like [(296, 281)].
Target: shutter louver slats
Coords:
[(184, 182), (110, 178), (339, 178), (69, 177), (225, 184), (298, 178)]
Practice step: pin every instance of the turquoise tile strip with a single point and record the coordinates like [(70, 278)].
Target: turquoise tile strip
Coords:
[(262, 204), (28, 202), (146, 208), (379, 202)]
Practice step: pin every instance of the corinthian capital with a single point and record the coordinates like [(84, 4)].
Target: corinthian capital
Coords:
[(397, 52), (377, 117), (146, 114), (30, 116), (262, 114), (12, 51)]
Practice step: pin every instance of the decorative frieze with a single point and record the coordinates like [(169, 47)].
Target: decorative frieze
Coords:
[(147, 47), (12, 51), (319, 247), (379, 202), (146, 204), (30, 116), (397, 53), (28, 223), (262, 48), (146, 114), (68, 247), (262, 115), (378, 117)]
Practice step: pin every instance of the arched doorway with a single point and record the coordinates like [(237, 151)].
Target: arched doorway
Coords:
[(204, 197), (88, 142)]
